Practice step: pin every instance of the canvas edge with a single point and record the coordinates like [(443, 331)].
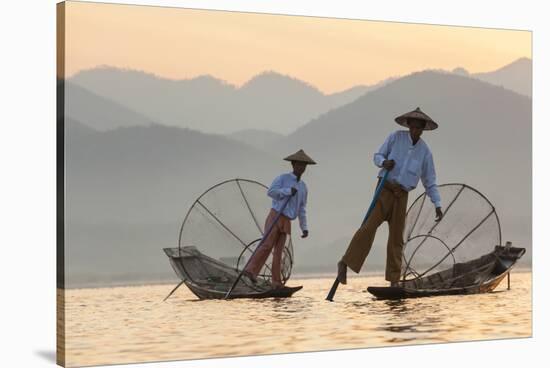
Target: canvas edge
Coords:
[(60, 184)]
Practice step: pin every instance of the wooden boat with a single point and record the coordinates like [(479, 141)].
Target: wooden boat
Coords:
[(209, 278), (209, 293), (220, 230), (480, 275)]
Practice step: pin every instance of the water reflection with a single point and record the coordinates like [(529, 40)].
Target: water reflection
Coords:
[(123, 325), (285, 308), (421, 317), (397, 307)]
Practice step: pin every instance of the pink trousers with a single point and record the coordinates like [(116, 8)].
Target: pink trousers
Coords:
[(275, 242)]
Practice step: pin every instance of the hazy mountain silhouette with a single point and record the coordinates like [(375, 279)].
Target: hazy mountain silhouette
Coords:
[(273, 101), (128, 188), (97, 111), (200, 102), (279, 102), (516, 76), (256, 137), (269, 101), (342, 98), (78, 131)]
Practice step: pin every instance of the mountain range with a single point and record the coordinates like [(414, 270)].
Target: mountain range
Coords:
[(517, 76), (269, 101), (272, 100)]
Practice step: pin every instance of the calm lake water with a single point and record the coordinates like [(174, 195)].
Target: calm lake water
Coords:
[(132, 324)]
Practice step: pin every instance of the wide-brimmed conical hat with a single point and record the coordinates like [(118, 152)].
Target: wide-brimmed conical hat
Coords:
[(301, 157), (416, 114)]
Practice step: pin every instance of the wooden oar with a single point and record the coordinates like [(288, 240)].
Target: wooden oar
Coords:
[(266, 234), (330, 295), (173, 291)]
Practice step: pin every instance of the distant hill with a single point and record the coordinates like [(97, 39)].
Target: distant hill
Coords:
[(277, 102), (111, 174), (189, 103), (99, 112), (256, 137), (270, 100), (342, 98), (76, 131), (517, 76)]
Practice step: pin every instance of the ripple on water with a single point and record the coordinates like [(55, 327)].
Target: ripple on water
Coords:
[(130, 324)]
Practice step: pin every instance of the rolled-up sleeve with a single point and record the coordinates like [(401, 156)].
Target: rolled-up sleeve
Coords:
[(302, 213), (429, 180), (277, 191), (384, 151)]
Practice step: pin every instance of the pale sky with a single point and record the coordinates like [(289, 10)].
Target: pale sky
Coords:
[(331, 54)]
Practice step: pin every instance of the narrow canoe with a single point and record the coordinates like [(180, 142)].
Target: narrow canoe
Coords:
[(480, 275)]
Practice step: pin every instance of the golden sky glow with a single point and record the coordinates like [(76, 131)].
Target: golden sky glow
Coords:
[(331, 54)]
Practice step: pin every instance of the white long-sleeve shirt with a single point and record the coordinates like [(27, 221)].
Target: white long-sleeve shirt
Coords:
[(280, 190), (412, 162)]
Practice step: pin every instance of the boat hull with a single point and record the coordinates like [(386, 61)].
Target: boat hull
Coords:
[(208, 293), (216, 278), (494, 267)]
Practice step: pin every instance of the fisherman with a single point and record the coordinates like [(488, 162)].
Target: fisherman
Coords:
[(285, 188), (407, 158)]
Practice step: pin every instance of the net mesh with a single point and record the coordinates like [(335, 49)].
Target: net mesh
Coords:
[(225, 225), (469, 229)]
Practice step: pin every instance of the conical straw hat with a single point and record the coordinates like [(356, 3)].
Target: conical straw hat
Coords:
[(301, 157), (416, 114)]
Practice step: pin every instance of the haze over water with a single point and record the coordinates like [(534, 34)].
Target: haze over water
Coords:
[(130, 324)]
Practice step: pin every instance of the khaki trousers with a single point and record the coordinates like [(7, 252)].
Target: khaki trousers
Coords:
[(275, 241), (391, 207)]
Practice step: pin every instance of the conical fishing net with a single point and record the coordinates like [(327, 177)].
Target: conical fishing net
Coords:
[(222, 229), (469, 229)]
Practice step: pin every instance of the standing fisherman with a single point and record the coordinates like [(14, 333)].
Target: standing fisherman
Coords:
[(408, 159), (290, 190)]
